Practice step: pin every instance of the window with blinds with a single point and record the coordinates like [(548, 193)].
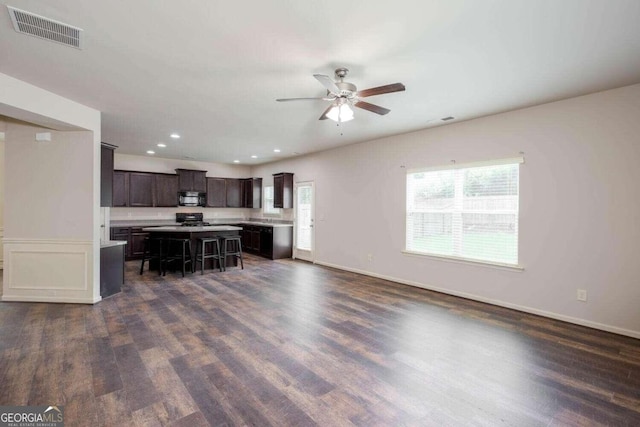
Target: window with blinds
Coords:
[(465, 211), (268, 201)]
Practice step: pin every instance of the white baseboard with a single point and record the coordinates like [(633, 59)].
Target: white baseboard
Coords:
[(525, 309), (61, 300)]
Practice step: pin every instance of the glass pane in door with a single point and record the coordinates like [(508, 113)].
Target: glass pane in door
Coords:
[(304, 218)]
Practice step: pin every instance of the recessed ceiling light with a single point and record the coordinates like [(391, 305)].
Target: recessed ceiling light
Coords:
[(236, 161), (161, 145), (175, 136), (276, 150), (151, 152), (254, 157)]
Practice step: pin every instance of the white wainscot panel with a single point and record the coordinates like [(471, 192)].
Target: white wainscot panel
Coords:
[(48, 270)]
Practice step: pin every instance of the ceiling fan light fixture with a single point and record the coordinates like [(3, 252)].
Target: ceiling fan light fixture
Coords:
[(340, 113)]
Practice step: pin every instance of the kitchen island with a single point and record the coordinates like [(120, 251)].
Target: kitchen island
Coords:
[(193, 233)]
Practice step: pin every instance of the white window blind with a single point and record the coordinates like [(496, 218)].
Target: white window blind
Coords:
[(465, 212), (268, 201)]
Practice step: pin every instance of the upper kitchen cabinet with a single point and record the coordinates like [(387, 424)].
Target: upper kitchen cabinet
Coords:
[(192, 180), (106, 174), (252, 193), (166, 186), (132, 189), (141, 189), (120, 189), (234, 192), (283, 190), (216, 192)]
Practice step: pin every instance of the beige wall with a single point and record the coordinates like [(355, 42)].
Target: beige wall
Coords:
[(55, 198), (162, 165), (579, 209), (2, 136)]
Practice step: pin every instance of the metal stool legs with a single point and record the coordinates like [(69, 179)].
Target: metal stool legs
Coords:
[(232, 247), (179, 250), (201, 253), (152, 251)]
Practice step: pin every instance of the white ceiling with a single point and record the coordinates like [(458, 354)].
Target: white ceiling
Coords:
[(211, 70)]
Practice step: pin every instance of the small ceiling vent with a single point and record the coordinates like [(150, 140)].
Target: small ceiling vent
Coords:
[(45, 28)]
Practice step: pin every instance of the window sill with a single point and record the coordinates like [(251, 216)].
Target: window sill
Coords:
[(516, 268)]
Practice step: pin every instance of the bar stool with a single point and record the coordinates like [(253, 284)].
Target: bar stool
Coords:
[(153, 251), (232, 246), (202, 255), (178, 250)]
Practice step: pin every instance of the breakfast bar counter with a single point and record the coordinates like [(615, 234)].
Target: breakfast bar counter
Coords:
[(193, 233), (174, 230)]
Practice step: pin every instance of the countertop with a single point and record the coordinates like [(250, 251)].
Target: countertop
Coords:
[(111, 243), (265, 224), (181, 229), (169, 223)]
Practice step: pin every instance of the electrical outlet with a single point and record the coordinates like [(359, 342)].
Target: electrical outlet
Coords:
[(369, 257), (582, 295)]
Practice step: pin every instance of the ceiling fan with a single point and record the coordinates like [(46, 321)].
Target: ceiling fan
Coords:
[(343, 96)]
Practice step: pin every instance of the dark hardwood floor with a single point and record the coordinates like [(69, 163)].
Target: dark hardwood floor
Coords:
[(290, 343)]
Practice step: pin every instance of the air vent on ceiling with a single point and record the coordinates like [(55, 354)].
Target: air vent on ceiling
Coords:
[(446, 119), (45, 28)]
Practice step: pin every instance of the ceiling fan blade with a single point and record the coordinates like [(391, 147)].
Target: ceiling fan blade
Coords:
[(328, 83), (324, 115), (370, 107), (395, 87), (322, 98)]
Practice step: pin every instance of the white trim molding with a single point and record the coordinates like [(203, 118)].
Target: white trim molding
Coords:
[(1, 251), (525, 309), (47, 270)]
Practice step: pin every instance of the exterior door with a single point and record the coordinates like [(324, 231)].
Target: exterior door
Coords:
[(304, 221)]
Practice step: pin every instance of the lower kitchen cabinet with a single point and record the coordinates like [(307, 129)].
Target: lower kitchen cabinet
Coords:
[(250, 238), (266, 241), (137, 243), (135, 240)]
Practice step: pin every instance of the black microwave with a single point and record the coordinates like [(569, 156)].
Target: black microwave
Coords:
[(192, 198)]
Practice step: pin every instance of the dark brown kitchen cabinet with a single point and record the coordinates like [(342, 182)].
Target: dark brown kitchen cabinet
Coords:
[(120, 189), (266, 242), (273, 242), (141, 189), (216, 192), (251, 238), (234, 192), (166, 190), (283, 190), (134, 237), (252, 193), (137, 242), (192, 180), (120, 233), (106, 174)]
